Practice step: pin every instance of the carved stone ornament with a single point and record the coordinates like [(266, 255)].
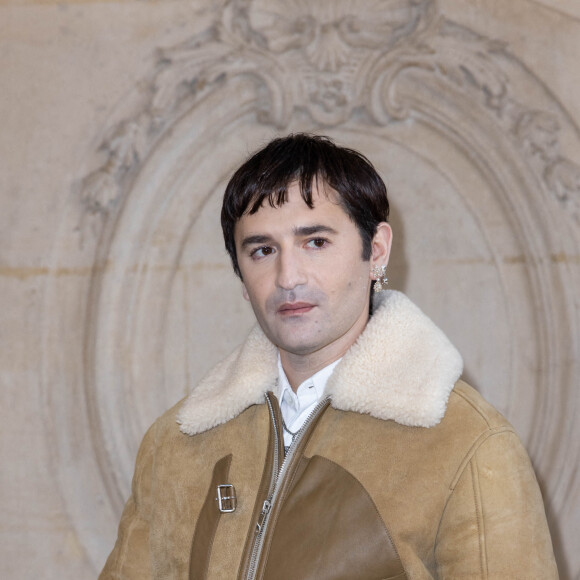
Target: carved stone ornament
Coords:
[(390, 74), (341, 62)]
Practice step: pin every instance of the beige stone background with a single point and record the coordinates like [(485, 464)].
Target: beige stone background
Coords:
[(120, 122)]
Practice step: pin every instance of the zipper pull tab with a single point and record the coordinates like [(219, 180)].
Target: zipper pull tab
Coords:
[(264, 513)]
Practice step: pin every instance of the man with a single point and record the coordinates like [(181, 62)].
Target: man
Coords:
[(333, 444)]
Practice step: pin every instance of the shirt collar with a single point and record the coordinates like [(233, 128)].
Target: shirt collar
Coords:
[(318, 380)]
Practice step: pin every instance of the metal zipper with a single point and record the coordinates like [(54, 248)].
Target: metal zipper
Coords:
[(267, 503), (277, 476)]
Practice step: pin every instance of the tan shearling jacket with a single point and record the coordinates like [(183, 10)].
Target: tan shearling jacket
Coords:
[(403, 472)]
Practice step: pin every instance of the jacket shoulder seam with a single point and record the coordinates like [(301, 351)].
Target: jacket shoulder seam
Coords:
[(483, 437), (473, 406)]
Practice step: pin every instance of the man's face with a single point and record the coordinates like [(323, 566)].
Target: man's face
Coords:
[(304, 275)]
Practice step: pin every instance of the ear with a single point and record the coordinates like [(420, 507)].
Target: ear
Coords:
[(381, 245), (245, 292)]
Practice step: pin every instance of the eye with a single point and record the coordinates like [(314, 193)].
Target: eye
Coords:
[(261, 252), (317, 243)]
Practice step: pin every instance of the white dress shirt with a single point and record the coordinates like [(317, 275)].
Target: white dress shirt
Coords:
[(296, 406)]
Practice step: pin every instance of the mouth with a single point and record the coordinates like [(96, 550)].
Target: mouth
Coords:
[(295, 308)]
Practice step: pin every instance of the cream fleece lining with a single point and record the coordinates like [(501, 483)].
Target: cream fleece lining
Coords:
[(401, 368)]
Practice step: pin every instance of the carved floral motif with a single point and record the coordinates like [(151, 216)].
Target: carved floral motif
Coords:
[(332, 59)]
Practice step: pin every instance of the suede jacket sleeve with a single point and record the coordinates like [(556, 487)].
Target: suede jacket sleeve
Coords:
[(131, 556), (494, 526)]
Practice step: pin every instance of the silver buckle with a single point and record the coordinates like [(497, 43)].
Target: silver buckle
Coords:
[(226, 498)]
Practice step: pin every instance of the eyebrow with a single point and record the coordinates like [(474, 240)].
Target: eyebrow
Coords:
[(315, 229), (297, 231), (257, 239)]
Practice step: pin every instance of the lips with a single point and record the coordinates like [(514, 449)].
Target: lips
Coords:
[(295, 308)]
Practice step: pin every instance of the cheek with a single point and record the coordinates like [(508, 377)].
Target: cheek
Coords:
[(350, 288), (356, 275), (257, 292), (253, 283)]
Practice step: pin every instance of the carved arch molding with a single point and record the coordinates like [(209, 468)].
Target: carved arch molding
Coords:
[(478, 155)]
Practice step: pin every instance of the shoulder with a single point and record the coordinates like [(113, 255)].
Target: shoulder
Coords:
[(487, 436), (467, 406), (465, 399), (469, 423)]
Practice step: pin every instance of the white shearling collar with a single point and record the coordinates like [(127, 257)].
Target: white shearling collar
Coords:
[(401, 368)]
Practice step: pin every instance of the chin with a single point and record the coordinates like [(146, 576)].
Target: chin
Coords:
[(298, 347), (295, 340)]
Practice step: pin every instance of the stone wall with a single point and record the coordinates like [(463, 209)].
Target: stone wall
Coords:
[(121, 122)]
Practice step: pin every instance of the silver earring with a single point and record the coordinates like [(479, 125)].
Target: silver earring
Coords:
[(381, 280)]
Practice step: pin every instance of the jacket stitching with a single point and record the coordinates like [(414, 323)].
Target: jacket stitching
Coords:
[(473, 450), (478, 505), (474, 407)]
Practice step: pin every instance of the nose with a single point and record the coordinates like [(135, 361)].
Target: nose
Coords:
[(291, 271)]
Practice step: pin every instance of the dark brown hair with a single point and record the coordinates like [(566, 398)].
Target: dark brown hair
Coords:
[(306, 159)]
